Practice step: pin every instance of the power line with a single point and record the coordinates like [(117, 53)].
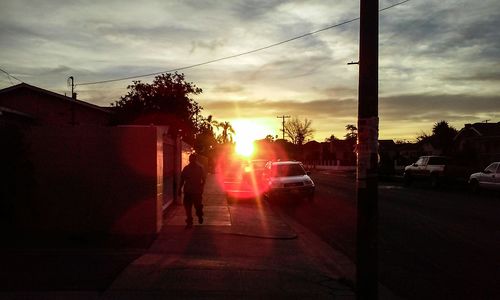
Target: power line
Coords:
[(9, 76), (239, 54)]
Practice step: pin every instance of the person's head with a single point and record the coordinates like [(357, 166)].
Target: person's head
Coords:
[(192, 158)]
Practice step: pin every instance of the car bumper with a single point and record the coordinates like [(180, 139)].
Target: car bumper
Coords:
[(305, 191)]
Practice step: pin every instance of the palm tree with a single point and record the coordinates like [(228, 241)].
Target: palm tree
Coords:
[(227, 132)]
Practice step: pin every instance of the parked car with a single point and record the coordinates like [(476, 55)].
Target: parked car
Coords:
[(488, 179), (426, 167), (288, 179), (436, 170)]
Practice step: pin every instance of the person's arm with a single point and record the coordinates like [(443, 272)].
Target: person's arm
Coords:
[(181, 184), (203, 177)]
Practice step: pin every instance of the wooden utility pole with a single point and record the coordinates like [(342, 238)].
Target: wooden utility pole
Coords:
[(367, 154), (283, 123)]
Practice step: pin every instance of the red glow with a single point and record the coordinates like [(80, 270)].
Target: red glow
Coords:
[(240, 177)]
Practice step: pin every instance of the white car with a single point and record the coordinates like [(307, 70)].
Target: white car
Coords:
[(488, 179), (288, 179)]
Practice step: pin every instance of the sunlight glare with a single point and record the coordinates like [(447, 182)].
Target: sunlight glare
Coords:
[(244, 147), (246, 133)]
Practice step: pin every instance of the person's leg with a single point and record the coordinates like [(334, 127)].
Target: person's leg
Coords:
[(197, 201), (188, 204)]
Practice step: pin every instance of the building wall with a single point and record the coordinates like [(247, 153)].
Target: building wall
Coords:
[(97, 179), (51, 110)]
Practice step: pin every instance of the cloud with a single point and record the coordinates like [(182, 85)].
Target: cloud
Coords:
[(211, 45), (479, 76), (234, 88)]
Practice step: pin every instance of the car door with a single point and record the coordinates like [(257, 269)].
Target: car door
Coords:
[(421, 166), (496, 179), (489, 176)]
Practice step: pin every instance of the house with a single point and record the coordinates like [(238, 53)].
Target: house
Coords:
[(51, 109), (71, 173), (343, 151), (478, 144), (13, 117)]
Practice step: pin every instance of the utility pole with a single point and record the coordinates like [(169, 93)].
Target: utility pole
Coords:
[(367, 154), (73, 96), (283, 123)]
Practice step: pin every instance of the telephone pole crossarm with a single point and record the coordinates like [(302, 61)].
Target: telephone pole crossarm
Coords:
[(283, 117)]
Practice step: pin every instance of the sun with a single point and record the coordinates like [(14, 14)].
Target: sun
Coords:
[(246, 133), (244, 148)]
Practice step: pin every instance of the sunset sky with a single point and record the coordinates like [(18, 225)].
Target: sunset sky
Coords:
[(439, 60)]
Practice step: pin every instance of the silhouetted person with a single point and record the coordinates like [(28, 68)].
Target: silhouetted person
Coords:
[(193, 180)]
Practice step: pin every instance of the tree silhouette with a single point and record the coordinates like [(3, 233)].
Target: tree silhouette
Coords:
[(227, 132), (331, 138), (205, 139), (165, 101), (443, 135), (299, 131), (352, 133)]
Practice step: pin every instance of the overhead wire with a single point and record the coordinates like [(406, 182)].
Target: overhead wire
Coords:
[(9, 76), (236, 55)]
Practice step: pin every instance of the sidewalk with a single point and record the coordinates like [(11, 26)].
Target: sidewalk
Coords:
[(241, 251)]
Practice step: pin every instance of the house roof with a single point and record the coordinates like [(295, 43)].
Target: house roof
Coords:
[(387, 144), (482, 129), (53, 95)]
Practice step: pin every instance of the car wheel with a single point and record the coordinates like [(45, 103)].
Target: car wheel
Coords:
[(474, 185)]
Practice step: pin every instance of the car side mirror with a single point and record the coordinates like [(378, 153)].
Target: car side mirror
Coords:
[(308, 173)]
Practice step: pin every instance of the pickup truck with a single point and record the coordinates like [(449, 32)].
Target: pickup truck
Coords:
[(434, 169)]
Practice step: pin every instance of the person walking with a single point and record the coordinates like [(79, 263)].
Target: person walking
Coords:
[(193, 179)]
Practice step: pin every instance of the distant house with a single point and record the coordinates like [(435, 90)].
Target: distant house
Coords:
[(478, 144), (24, 101), (311, 151), (343, 151)]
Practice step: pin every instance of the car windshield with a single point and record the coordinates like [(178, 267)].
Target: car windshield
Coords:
[(288, 170)]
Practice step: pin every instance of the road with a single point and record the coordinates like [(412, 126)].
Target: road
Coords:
[(433, 243)]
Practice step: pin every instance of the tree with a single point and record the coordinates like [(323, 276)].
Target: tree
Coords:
[(299, 131), (331, 138), (352, 132), (269, 138), (227, 132), (205, 138), (443, 135), (165, 101), (441, 138)]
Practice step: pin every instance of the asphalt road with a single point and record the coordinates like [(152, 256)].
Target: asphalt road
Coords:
[(433, 243)]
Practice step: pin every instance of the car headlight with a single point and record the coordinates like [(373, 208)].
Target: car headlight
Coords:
[(308, 182)]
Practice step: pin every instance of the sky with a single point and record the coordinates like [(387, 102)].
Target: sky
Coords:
[(438, 60)]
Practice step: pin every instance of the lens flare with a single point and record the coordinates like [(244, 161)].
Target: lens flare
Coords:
[(242, 177), (244, 147)]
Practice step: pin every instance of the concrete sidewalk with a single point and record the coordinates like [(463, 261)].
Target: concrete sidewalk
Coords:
[(241, 251), (244, 250)]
